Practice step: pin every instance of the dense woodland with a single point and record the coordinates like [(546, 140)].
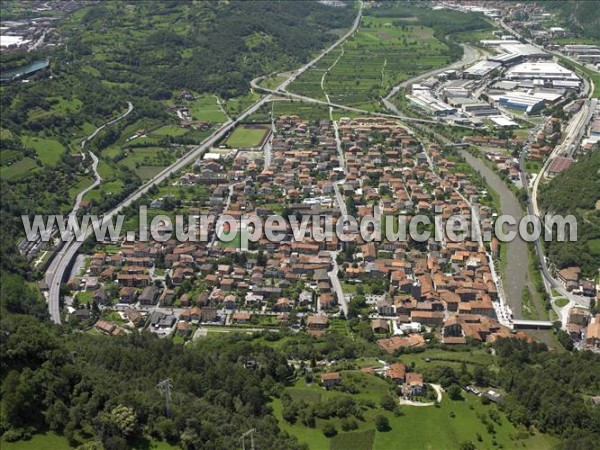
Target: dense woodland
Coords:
[(551, 391), (576, 191), (92, 388)]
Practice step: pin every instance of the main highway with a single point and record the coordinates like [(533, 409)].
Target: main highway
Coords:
[(56, 271)]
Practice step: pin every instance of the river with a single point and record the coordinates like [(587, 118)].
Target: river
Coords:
[(514, 278)]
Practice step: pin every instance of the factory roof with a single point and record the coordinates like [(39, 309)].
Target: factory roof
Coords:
[(482, 68), (545, 70), (522, 49), (503, 121)]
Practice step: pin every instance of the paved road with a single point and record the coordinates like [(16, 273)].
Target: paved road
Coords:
[(97, 177), (63, 259), (97, 180)]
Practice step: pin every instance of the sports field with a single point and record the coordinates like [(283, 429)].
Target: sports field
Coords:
[(247, 136)]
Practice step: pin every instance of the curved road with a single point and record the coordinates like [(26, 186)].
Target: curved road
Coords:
[(98, 178), (55, 265), (56, 271)]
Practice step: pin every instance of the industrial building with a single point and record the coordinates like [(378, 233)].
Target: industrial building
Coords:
[(526, 51), (497, 42), (542, 71), (481, 69), (521, 101), (473, 106), (581, 49), (506, 59), (430, 104), (459, 88)]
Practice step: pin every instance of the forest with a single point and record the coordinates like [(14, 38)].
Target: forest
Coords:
[(551, 391), (96, 389), (576, 191)]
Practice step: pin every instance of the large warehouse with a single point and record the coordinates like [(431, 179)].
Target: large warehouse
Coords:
[(540, 70), (521, 101)]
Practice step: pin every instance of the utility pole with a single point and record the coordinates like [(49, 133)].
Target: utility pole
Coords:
[(165, 386), (251, 433)]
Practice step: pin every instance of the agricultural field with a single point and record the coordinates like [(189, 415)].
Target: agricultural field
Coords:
[(474, 36), (48, 150), (247, 136), (81, 184), (445, 426), (18, 169), (383, 53), (236, 105), (168, 130), (307, 111), (207, 109), (105, 188)]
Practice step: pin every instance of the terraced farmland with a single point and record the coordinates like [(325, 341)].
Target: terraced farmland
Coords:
[(382, 53)]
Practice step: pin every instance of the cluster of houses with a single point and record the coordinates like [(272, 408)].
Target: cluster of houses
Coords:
[(437, 284), (505, 164), (584, 328), (571, 278), (411, 383)]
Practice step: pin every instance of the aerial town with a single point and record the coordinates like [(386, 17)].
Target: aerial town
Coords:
[(340, 224)]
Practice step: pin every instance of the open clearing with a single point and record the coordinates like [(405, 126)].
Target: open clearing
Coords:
[(207, 109), (247, 136), (48, 150)]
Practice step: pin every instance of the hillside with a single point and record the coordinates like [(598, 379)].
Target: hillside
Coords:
[(582, 16), (576, 191)]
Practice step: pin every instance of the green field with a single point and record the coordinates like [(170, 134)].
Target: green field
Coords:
[(561, 302), (80, 186), (380, 55), (594, 246), (53, 441), (48, 150), (236, 105), (168, 130), (207, 109), (306, 111), (246, 136), (358, 440), (47, 441), (108, 187), (148, 161)]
